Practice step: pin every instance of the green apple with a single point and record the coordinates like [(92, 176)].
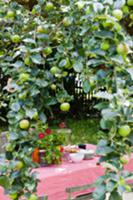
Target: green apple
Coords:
[(124, 130), (53, 87), (105, 45), (80, 5), (24, 124), (47, 51), (42, 29), (130, 2), (19, 165), (22, 95), (108, 24), (9, 147), (24, 77), (15, 38), (49, 6), (65, 107), (10, 14), (65, 73), (67, 22), (122, 49), (27, 61), (54, 70), (124, 159), (68, 64), (35, 116), (118, 14)]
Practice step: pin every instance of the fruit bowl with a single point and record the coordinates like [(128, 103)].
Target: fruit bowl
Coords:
[(76, 157)]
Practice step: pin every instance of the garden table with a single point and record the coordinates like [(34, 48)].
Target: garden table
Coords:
[(55, 179)]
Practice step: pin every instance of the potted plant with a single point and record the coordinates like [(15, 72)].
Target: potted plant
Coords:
[(49, 147)]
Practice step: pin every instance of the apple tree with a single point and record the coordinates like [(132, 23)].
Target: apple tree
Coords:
[(43, 41)]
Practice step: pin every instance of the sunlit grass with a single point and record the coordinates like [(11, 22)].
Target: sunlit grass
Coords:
[(84, 130)]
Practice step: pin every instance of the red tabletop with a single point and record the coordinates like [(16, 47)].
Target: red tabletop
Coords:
[(55, 179)]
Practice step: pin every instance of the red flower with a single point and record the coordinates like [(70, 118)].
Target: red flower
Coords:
[(41, 135), (62, 125), (48, 131), (61, 149)]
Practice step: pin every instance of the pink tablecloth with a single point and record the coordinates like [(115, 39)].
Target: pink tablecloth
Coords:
[(55, 179)]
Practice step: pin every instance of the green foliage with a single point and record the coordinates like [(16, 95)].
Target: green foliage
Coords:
[(66, 35)]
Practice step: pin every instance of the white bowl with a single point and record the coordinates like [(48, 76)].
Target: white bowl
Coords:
[(76, 157), (87, 153)]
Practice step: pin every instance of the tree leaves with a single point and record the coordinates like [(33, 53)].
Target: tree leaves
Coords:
[(130, 71), (118, 4), (77, 41), (86, 86), (78, 66), (4, 182), (115, 195), (29, 40), (103, 148), (31, 112), (15, 106), (37, 59), (100, 192)]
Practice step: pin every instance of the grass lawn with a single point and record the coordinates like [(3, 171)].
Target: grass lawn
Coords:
[(84, 130)]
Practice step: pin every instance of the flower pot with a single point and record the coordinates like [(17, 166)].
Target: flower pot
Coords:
[(35, 156)]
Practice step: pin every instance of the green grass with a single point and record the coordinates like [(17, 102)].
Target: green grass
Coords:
[(84, 130)]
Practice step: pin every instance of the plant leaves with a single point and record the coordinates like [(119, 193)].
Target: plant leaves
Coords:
[(114, 195), (100, 192), (86, 86), (78, 66), (4, 182), (62, 63), (15, 107), (30, 112), (109, 166), (13, 136), (101, 105), (108, 114), (119, 3), (37, 59), (130, 71), (110, 186), (29, 40), (104, 150)]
